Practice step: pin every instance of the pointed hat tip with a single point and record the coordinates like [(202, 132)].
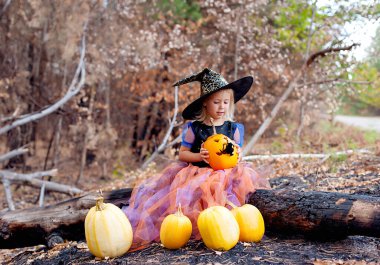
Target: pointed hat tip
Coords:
[(192, 78)]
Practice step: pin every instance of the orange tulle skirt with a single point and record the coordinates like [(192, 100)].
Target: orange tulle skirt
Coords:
[(194, 188)]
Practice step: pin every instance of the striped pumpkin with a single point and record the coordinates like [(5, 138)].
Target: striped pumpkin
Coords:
[(108, 230), (218, 228)]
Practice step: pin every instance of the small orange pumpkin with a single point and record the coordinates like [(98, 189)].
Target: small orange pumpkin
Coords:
[(175, 230), (223, 152), (251, 222)]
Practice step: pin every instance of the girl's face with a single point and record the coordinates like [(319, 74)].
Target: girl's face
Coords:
[(217, 105)]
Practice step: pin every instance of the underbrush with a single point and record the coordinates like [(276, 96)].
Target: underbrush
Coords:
[(322, 137)]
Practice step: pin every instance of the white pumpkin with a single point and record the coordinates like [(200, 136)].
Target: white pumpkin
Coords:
[(108, 230)]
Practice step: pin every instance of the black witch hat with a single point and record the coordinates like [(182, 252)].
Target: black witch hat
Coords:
[(212, 82)]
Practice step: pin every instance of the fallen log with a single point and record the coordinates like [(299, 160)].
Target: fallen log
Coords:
[(321, 214), (52, 224)]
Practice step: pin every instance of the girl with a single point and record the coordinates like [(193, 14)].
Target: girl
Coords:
[(191, 182)]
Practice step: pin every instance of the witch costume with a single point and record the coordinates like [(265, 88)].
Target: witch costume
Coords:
[(195, 186)]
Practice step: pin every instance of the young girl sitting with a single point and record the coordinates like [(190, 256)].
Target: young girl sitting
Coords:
[(192, 182)]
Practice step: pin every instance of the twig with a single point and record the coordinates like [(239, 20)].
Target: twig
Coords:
[(175, 141), (2, 11), (323, 53), (263, 157), (88, 121), (74, 88), (40, 174), (338, 80), (57, 140), (13, 153), (8, 194), (303, 98), (163, 145), (42, 195)]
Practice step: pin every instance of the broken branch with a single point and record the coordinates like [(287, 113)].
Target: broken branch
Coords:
[(74, 88), (32, 180), (13, 153)]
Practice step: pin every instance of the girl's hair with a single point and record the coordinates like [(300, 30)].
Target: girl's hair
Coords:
[(229, 116)]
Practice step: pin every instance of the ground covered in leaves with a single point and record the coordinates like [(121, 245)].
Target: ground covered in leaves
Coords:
[(271, 250), (354, 174)]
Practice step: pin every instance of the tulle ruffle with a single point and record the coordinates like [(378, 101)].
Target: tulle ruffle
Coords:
[(194, 188)]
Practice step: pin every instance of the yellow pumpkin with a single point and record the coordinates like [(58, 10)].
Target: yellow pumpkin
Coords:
[(175, 230), (222, 151), (108, 230), (218, 228), (251, 223)]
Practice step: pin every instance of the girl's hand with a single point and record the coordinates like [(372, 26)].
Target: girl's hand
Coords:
[(204, 154), (238, 150)]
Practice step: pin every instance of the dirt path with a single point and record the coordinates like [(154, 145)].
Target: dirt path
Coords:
[(370, 123)]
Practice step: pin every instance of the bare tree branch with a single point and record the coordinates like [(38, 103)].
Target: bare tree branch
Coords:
[(31, 179), (237, 42), (163, 145), (88, 122), (280, 156), (42, 195), (336, 80), (305, 93), (74, 88), (8, 194), (286, 94), (2, 11), (323, 53), (13, 153), (40, 174)]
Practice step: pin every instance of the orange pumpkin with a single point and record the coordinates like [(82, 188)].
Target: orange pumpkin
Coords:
[(175, 230), (222, 151), (251, 222)]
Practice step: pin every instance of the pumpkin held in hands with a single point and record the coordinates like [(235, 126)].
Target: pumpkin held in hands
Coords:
[(251, 223), (175, 230), (218, 228), (108, 230), (223, 153)]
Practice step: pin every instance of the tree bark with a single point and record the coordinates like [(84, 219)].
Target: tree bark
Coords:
[(322, 215)]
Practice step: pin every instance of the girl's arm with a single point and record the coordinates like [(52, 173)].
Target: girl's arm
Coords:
[(186, 155)]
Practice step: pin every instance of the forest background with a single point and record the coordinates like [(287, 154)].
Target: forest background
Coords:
[(115, 63)]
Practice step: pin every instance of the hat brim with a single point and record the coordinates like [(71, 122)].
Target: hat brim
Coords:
[(240, 88)]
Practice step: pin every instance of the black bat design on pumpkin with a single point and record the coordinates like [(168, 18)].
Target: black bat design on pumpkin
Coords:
[(227, 149)]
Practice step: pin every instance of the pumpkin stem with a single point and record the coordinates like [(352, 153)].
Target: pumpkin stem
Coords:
[(213, 126), (230, 203), (99, 204), (179, 210)]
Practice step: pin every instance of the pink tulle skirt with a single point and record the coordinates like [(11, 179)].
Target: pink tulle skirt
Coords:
[(194, 188)]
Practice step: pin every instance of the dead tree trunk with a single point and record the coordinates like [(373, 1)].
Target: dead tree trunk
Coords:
[(321, 214)]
